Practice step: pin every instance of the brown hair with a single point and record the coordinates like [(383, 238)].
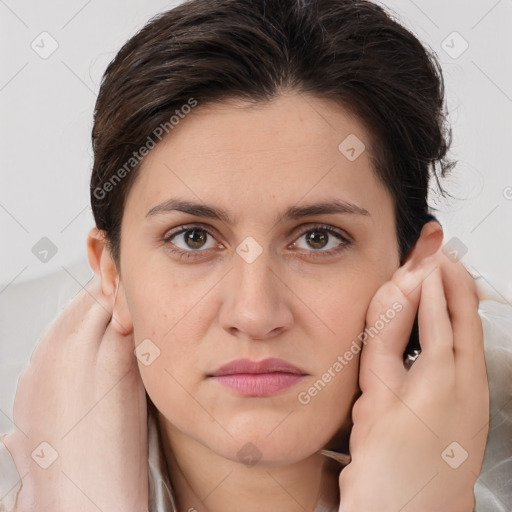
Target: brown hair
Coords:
[(349, 51)]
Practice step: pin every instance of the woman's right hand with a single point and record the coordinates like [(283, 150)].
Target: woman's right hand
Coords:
[(80, 441)]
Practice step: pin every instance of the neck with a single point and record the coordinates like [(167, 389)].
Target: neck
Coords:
[(204, 481)]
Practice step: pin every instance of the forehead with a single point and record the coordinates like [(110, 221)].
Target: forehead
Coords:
[(236, 154)]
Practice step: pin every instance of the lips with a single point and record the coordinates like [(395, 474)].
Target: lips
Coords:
[(258, 378), (247, 366)]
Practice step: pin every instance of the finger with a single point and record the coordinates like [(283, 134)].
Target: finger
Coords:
[(389, 322), (116, 353), (468, 341), (90, 305), (462, 298), (79, 327), (98, 312), (108, 302), (435, 332)]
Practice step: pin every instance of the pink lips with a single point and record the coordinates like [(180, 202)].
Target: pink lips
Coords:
[(258, 378)]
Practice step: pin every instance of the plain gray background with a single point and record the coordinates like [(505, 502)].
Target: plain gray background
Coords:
[(46, 107)]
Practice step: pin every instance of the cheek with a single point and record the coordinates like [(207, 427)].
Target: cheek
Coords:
[(162, 298), (170, 320), (339, 303)]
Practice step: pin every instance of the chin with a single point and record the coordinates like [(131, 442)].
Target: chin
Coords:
[(274, 443), (253, 451)]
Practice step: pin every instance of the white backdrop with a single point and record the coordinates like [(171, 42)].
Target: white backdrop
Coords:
[(53, 56)]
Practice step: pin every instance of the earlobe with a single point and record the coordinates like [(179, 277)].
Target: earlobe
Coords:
[(121, 317)]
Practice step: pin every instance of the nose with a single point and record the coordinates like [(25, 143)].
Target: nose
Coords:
[(256, 301)]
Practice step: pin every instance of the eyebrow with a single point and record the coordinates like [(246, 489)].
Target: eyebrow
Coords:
[(291, 213)]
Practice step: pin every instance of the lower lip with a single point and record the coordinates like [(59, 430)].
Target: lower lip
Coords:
[(259, 384)]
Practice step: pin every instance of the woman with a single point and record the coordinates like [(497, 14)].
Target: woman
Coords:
[(264, 255)]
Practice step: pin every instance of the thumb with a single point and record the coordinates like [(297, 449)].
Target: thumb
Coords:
[(116, 354)]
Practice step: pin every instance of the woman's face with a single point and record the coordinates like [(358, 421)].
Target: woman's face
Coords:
[(276, 277)]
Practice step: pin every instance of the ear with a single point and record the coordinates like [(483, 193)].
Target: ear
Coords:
[(428, 243), (104, 266)]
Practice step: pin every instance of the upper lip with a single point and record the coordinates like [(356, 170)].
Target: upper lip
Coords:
[(269, 365)]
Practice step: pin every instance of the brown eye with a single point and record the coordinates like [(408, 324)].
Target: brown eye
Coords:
[(322, 240), (195, 238), (190, 239), (316, 240)]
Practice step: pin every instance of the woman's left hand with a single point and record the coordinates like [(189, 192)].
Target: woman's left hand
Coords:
[(419, 434)]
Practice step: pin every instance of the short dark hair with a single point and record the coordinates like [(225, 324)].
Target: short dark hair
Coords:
[(351, 51)]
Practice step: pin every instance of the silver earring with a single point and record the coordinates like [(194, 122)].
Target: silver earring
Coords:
[(411, 358)]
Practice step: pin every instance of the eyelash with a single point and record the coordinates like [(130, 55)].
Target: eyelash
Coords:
[(345, 241)]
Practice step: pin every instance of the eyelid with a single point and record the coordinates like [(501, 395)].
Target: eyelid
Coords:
[(186, 227), (344, 237), (166, 239), (311, 226)]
